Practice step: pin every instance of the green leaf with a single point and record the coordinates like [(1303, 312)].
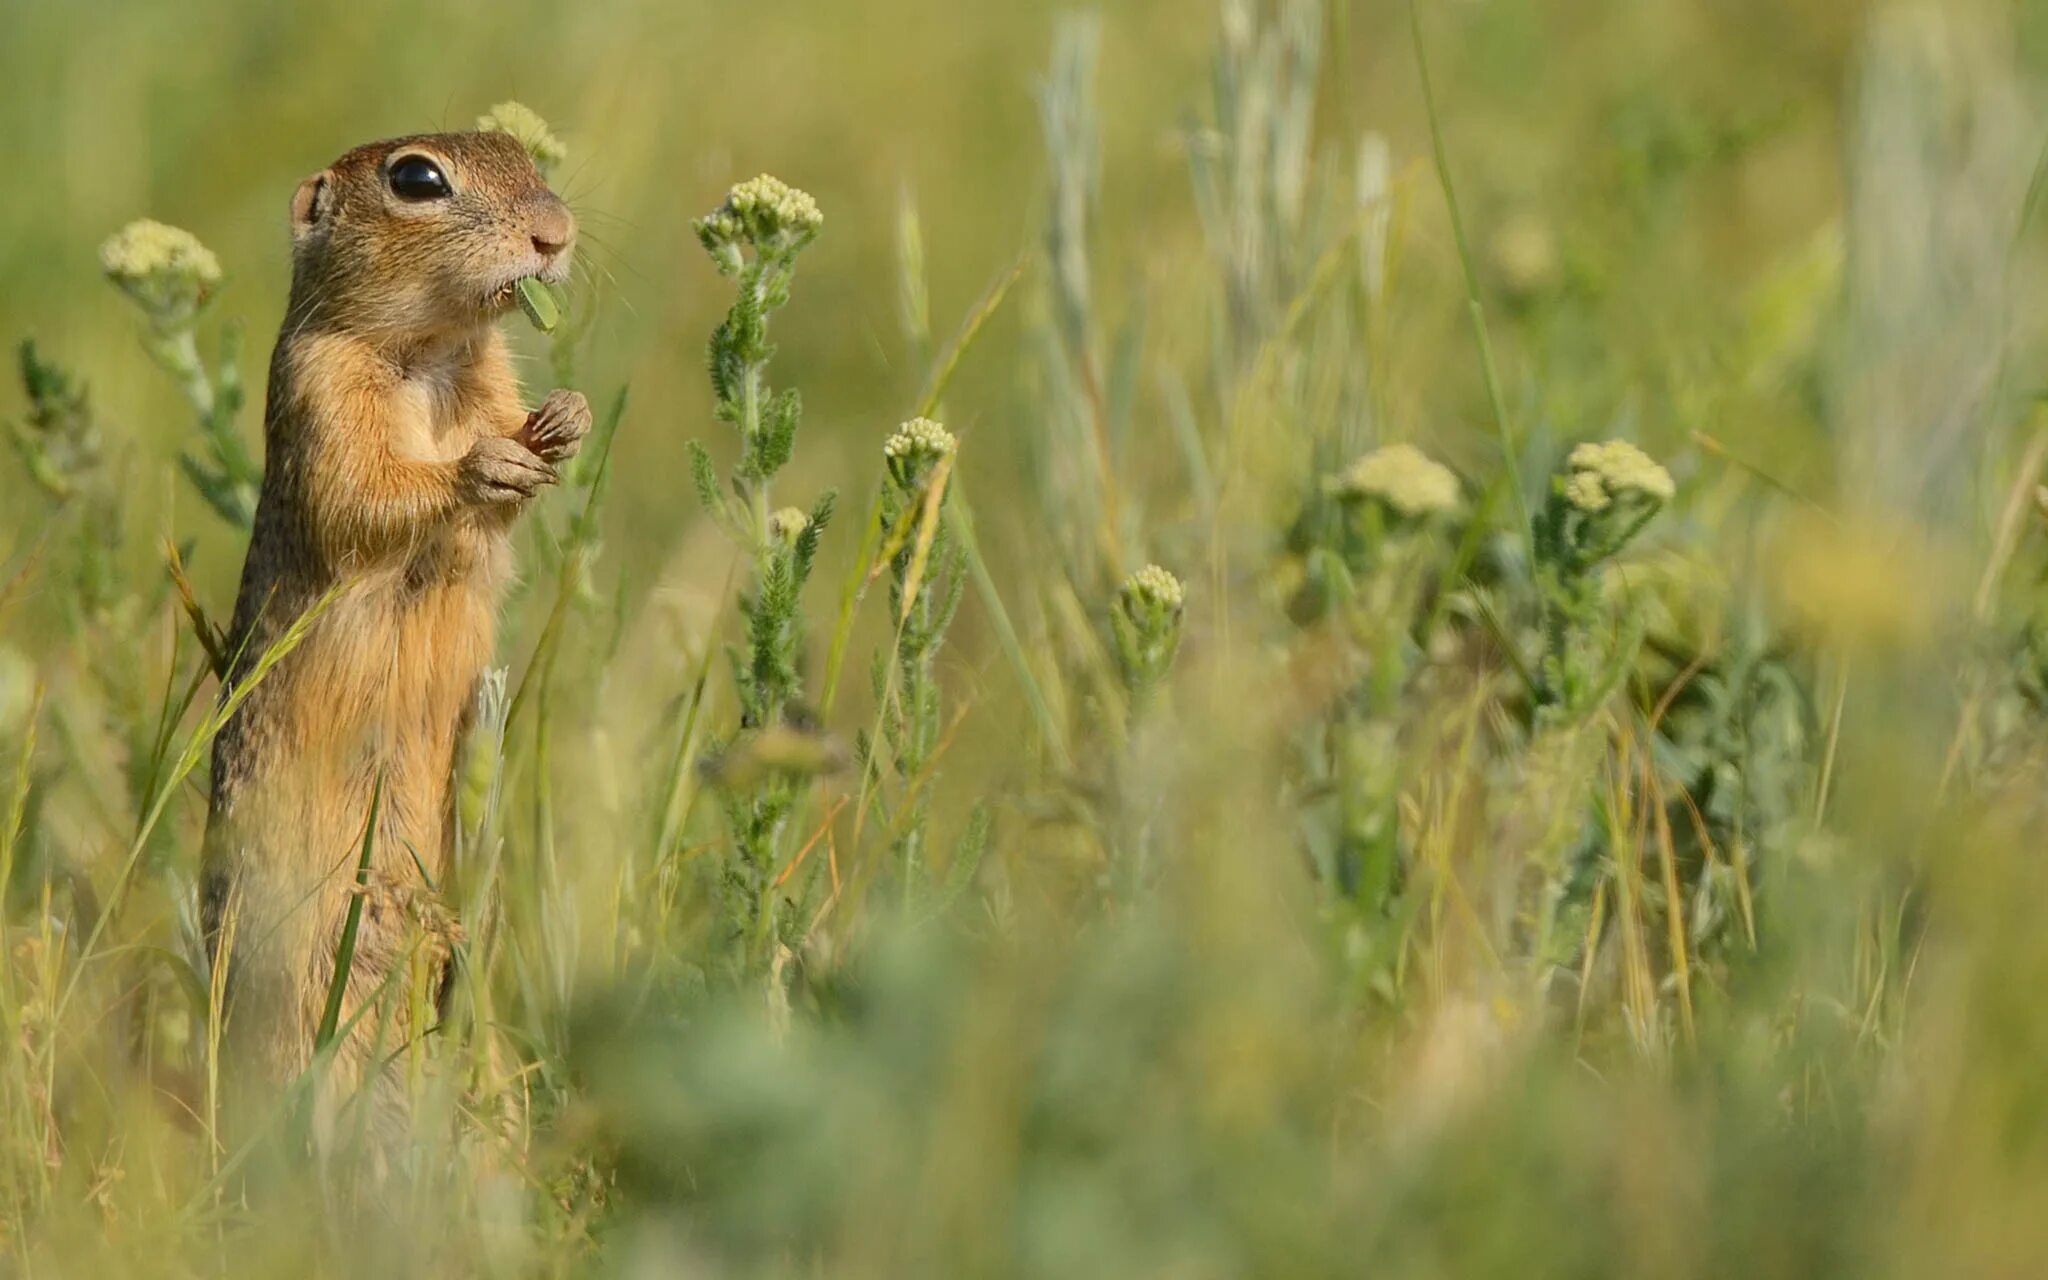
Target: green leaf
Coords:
[(806, 549), (966, 860), (540, 302), (228, 501), (705, 478), (778, 433)]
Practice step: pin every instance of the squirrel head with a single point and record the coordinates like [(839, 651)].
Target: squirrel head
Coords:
[(425, 237)]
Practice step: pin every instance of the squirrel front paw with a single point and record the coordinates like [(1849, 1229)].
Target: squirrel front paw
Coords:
[(499, 470), (555, 431)]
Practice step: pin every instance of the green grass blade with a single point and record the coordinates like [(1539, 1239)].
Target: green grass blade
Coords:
[(345, 949), (960, 523), (1510, 450), (984, 311)]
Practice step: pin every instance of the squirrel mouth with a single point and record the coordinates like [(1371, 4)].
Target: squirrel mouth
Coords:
[(536, 296), (541, 300)]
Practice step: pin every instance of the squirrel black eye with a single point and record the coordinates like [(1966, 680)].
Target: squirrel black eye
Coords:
[(418, 178)]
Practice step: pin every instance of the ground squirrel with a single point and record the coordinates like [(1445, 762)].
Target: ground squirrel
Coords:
[(398, 453)]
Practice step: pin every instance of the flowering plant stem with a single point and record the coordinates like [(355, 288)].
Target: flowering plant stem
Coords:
[(1607, 494), (754, 237), (925, 587), (167, 273)]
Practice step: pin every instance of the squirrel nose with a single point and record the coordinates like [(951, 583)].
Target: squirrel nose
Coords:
[(551, 227)]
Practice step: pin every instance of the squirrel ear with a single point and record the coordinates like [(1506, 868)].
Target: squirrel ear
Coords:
[(311, 203)]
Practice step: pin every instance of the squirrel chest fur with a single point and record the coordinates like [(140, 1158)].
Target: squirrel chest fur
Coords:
[(397, 455)]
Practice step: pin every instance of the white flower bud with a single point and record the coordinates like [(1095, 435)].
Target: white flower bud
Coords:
[(920, 436), (1155, 588)]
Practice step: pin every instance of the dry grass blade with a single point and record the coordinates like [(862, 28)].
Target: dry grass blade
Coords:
[(211, 638), (17, 807), (927, 533), (824, 825), (23, 574)]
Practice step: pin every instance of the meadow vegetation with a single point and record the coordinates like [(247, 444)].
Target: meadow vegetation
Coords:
[(1284, 638)]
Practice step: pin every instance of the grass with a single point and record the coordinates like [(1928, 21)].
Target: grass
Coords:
[(1549, 808)]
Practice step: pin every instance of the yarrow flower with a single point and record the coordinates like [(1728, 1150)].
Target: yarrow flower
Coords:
[(1605, 496), (919, 435), (769, 201), (146, 248), (1403, 477), (1154, 588), (1146, 628), (164, 268), (766, 213), (788, 524), (1600, 473), (170, 275), (915, 448), (1585, 491), (526, 125)]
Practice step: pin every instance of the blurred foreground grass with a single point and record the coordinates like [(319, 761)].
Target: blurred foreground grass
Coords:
[(1573, 862)]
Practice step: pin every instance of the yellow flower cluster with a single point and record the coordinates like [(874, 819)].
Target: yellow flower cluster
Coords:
[(146, 252), (1403, 477), (1601, 472)]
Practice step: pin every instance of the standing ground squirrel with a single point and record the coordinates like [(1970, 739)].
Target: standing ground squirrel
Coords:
[(398, 454)]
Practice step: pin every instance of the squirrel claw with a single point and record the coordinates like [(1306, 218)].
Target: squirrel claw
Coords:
[(555, 431), (499, 469)]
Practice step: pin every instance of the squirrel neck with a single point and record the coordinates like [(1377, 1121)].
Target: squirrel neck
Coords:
[(407, 347)]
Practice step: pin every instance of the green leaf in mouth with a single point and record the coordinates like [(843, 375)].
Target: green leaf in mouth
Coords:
[(540, 302)]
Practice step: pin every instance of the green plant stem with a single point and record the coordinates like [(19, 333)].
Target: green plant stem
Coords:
[(345, 948), (178, 352)]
